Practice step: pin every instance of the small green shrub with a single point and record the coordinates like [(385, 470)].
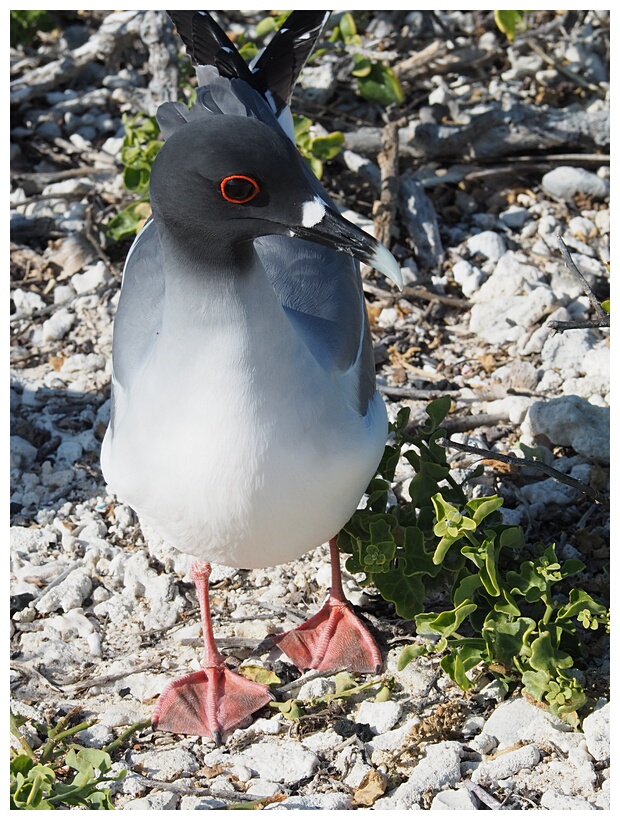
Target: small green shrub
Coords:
[(376, 81), (25, 24), (141, 145), (61, 774), (316, 149), (511, 616)]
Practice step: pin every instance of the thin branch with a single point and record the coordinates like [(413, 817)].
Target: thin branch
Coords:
[(30, 671), (576, 78), (576, 324), (584, 282), (482, 795), (415, 393), (539, 466), (461, 424), (101, 680), (384, 211), (603, 318), (419, 292)]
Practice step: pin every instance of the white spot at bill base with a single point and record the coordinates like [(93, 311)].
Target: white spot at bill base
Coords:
[(312, 212)]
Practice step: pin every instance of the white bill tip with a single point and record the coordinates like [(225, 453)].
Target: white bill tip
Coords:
[(383, 261)]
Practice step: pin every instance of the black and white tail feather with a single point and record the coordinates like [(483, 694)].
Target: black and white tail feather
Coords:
[(273, 72)]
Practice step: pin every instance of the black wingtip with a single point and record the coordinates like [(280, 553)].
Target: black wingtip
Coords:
[(208, 44), (278, 67)]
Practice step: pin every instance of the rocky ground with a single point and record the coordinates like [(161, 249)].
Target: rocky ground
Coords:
[(502, 152)]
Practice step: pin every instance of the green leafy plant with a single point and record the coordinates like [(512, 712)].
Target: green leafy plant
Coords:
[(61, 774), (316, 149), (140, 147), (25, 24), (376, 81), (509, 617), (345, 687)]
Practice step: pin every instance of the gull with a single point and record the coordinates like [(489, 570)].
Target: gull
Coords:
[(245, 421)]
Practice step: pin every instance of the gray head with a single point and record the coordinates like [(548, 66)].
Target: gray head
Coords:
[(220, 182)]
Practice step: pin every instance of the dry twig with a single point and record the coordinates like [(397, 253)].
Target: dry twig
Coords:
[(385, 207), (603, 318), (539, 466)]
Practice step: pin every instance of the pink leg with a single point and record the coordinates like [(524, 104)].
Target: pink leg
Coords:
[(333, 638), (213, 700)]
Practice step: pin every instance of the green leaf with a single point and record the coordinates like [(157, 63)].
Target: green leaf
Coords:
[(578, 600), (448, 622), (265, 26), (402, 420), (248, 51), (417, 561), (528, 582), (488, 570), (347, 26), (406, 592), (362, 66), (506, 604), (410, 653), (381, 86), (536, 683), (301, 125), (511, 537), (483, 507), (21, 763), (259, 674), (509, 21), (128, 222), (466, 588), (546, 657), (425, 483), (443, 546), (572, 566), (437, 410), (459, 662), (136, 179), (606, 305), (291, 709), (329, 146), (383, 695), (344, 681), (506, 638)]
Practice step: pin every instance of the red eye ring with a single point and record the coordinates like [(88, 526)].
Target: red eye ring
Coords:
[(243, 196)]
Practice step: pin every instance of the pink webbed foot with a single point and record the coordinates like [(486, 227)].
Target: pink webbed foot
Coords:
[(334, 638), (208, 703), (213, 700)]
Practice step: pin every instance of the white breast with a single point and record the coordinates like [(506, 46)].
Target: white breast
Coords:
[(233, 443)]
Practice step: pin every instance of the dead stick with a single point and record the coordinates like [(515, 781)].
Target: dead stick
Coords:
[(385, 209), (414, 393), (482, 795), (578, 325), (539, 466), (584, 282)]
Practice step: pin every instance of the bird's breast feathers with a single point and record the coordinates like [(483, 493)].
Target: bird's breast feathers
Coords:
[(237, 447)]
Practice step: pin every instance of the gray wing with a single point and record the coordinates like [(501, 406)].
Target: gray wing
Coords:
[(321, 292), (138, 317)]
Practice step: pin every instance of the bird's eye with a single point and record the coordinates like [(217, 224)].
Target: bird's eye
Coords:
[(239, 188)]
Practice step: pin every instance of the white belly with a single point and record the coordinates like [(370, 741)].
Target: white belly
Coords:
[(241, 459)]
